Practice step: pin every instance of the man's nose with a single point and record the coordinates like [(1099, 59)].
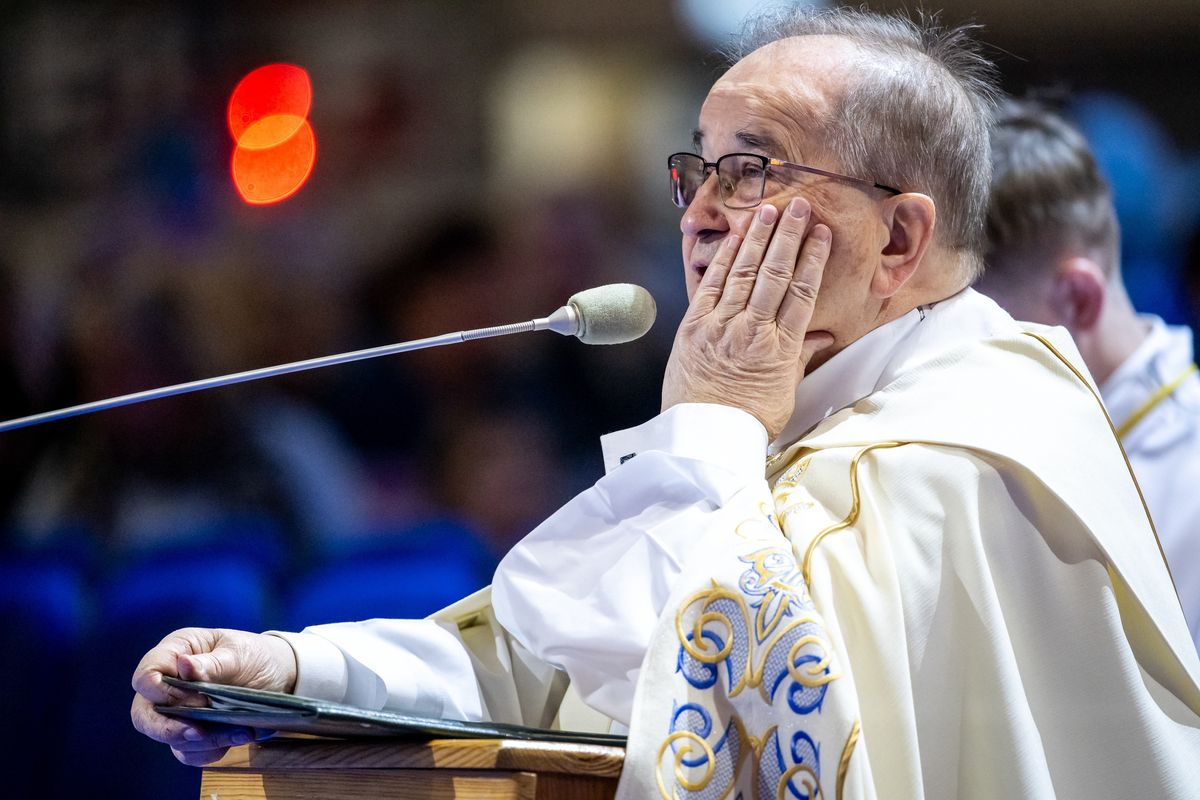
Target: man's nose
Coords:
[(706, 214)]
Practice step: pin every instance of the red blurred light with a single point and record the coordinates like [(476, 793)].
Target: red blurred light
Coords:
[(275, 145), (273, 89), (270, 174)]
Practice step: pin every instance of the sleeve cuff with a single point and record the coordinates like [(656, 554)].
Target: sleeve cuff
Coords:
[(715, 434), (321, 671)]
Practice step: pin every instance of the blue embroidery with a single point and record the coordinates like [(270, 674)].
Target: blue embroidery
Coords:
[(695, 723), (689, 712), (806, 751), (700, 675), (770, 593)]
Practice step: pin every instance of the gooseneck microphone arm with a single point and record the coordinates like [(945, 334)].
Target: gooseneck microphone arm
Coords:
[(619, 311)]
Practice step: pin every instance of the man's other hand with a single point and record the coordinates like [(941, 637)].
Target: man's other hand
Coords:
[(215, 655), (744, 341)]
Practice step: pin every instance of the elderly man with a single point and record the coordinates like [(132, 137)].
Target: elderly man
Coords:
[(943, 583), (1054, 258)]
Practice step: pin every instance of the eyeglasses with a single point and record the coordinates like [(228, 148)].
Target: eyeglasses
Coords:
[(741, 177)]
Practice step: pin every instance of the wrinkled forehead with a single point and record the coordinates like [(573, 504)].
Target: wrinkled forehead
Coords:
[(782, 93)]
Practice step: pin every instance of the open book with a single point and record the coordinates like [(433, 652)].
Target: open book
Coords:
[(255, 708)]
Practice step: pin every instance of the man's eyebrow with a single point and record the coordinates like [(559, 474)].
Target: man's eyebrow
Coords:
[(762, 142), (759, 141)]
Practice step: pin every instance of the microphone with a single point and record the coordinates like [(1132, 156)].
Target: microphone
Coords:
[(611, 314)]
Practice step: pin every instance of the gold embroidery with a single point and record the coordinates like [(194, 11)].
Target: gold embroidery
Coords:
[(754, 748), (751, 747), (785, 503), (811, 784), (792, 476), (774, 582), (816, 674), (851, 518), (715, 593), (847, 751), (751, 673), (803, 505), (710, 766), (772, 531)]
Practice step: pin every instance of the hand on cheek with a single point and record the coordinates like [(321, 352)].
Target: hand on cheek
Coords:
[(744, 341)]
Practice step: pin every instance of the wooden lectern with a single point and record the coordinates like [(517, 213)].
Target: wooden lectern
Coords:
[(378, 769)]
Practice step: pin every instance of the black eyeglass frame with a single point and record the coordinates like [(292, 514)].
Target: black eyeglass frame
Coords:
[(715, 166)]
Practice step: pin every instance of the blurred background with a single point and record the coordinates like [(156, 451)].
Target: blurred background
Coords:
[(476, 163)]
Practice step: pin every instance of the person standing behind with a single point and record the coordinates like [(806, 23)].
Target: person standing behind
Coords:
[(1054, 258)]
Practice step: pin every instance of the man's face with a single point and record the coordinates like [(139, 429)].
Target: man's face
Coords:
[(773, 102)]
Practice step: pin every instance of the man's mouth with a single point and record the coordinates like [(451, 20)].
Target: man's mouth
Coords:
[(700, 267)]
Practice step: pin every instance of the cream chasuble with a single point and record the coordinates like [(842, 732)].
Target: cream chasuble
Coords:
[(951, 590)]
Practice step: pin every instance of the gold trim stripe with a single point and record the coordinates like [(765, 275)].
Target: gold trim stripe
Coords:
[(847, 751), (852, 517), (1160, 394), (1050, 346)]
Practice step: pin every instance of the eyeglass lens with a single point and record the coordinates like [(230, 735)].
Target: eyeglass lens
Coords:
[(739, 179)]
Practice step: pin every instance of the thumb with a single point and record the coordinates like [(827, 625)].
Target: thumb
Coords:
[(217, 666)]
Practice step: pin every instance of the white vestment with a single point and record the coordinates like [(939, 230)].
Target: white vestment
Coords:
[(947, 588), (1164, 446)]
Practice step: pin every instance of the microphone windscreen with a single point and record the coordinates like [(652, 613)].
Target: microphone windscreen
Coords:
[(613, 314)]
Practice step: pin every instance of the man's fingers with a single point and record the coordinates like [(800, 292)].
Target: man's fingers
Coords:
[(796, 310), (199, 738), (158, 727), (212, 667), (185, 735), (779, 263), (198, 758), (740, 281), (147, 677)]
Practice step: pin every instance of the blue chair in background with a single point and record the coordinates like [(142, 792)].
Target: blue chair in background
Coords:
[(43, 613), (406, 572), (256, 539), (139, 603)]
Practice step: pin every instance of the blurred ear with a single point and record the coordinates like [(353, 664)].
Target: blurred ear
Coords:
[(909, 220), (1078, 293)]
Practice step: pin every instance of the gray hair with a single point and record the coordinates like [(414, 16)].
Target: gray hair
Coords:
[(1048, 194), (917, 116)]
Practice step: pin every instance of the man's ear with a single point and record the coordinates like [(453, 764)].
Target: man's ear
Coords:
[(909, 220), (1078, 293)]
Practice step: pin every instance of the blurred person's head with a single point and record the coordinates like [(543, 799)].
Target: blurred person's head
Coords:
[(134, 324), (1053, 238), (500, 470), (454, 277), (125, 334), (245, 309), (899, 109)]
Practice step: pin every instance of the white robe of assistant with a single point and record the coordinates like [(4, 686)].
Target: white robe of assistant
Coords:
[(1164, 448)]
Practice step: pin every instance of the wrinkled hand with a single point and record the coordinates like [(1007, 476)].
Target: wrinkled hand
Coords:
[(216, 655), (744, 341)]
